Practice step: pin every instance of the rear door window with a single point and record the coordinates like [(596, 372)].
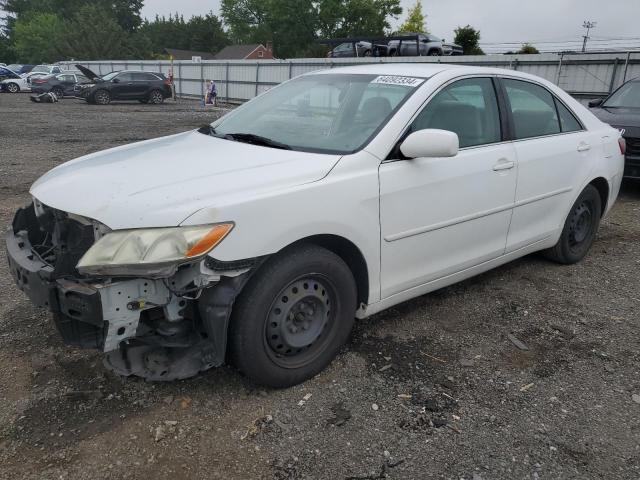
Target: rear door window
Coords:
[(533, 109)]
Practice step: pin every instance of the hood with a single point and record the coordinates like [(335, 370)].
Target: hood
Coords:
[(161, 182), (623, 118), (88, 73)]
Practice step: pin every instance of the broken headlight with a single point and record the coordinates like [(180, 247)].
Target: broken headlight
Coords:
[(124, 252)]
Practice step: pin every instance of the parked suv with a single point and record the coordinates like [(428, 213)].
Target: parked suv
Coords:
[(146, 87), (430, 45)]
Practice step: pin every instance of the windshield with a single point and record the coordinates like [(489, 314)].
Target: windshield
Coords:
[(41, 68), (332, 113), (627, 96), (110, 76)]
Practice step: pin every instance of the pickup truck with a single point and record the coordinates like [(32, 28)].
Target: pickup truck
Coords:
[(430, 45)]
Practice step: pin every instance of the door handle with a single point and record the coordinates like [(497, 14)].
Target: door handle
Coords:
[(584, 147), (503, 165)]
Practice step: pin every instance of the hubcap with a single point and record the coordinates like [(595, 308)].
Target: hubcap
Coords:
[(298, 319), (580, 226)]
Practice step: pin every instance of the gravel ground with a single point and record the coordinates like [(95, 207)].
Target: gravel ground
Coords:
[(434, 388)]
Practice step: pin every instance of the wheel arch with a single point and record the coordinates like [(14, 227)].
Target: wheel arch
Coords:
[(350, 254), (601, 184)]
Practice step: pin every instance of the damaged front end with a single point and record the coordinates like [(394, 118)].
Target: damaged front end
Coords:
[(163, 323)]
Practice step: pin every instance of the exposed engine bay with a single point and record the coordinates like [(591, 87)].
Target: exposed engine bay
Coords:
[(171, 325)]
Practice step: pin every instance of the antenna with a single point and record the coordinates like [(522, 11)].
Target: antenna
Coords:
[(588, 25)]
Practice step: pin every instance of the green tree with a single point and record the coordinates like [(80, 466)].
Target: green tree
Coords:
[(416, 20), (7, 53), (294, 25), (35, 37), (527, 49), (469, 39), (82, 40), (206, 33)]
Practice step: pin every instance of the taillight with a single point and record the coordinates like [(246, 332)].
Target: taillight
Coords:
[(167, 81), (623, 145)]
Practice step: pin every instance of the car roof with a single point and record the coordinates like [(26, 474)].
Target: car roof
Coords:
[(424, 70)]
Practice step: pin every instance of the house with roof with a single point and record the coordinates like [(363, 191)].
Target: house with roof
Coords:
[(254, 51)]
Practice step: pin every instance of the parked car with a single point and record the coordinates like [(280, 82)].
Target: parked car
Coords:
[(49, 69), (430, 45), (363, 49), (21, 84), (20, 69), (335, 195), (6, 73), (63, 84), (146, 87), (621, 110)]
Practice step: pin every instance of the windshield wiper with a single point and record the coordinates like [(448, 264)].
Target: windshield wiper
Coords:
[(255, 140)]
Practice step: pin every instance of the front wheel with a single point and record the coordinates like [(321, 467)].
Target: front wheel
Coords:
[(293, 316), (102, 97), (13, 87), (579, 230)]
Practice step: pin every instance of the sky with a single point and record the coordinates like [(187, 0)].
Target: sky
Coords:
[(504, 21)]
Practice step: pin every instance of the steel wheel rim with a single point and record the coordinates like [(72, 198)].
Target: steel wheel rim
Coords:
[(581, 225), (299, 321)]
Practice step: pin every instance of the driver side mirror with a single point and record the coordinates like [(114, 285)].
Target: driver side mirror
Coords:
[(430, 143), (596, 103), (115, 80)]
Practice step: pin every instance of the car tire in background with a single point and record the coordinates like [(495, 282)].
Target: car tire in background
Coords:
[(434, 53), (156, 97), (579, 230), (12, 87), (58, 92), (293, 316), (102, 97)]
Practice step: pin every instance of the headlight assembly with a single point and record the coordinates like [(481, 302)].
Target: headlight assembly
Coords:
[(153, 250)]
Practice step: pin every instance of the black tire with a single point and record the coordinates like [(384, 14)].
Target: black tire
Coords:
[(102, 97), (434, 53), (579, 230), (58, 92), (293, 316), (13, 87), (156, 97), (367, 53)]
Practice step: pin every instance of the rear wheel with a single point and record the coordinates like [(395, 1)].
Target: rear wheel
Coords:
[(434, 53), (102, 97), (293, 316), (579, 230), (13, 87), (156, 97), (57, 91)]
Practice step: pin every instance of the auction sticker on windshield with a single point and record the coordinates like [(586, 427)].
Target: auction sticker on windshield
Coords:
[(398, 80)]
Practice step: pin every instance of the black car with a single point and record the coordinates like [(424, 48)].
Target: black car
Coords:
[(6, 73), (62, 84), (621, 110), (146, 87)]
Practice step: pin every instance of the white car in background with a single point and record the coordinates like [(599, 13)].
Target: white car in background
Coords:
[(22, 84), (335, 195)]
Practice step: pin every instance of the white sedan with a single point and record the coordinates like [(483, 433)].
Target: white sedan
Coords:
[(22, 84), (335, 195)]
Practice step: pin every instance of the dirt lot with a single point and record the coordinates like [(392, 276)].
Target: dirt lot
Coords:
[(435, 388)]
